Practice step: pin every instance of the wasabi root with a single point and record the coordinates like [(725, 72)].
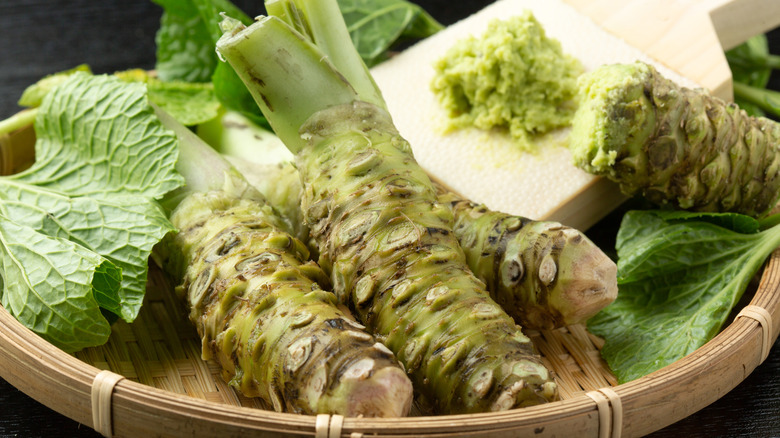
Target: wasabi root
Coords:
[(264, 318), (389, 246), (544, 274), (384, 238), (675, 145), (260, 308)]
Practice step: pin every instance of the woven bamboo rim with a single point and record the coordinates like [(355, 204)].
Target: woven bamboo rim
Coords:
[(159, 385)]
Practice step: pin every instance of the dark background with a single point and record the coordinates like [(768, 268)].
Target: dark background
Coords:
[(44, 36)]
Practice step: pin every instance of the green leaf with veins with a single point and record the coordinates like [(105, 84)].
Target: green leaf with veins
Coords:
[(98, 136), (376, 25), (185, 51), (191, 103), (679, 276), (122, 228), (102, 158), (52, 285)]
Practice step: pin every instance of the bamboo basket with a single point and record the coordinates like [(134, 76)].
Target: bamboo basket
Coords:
[(149, 379)]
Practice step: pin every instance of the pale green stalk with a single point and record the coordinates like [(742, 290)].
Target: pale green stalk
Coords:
[(294, 85), (329, 39)]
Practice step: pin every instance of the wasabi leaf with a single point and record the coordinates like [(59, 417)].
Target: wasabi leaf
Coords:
[(79, 225), (122, 229), (191, 103), (184, 49), (376, 25), (98, 136), (34, 265), (679, 276), (186, 40), (733, 221), (33, 95)]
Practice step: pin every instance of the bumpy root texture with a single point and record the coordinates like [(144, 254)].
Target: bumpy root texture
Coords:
[(388, 245), (673, 144), (544, 274), (263, 316)]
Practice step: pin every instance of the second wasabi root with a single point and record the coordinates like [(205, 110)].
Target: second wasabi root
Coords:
[(544, 274), (675, 145), (263, 316), (389, 247)]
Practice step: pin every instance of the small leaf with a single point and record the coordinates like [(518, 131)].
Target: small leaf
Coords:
[(376, 25), (33, 95), (79, 128), (54, 286), (190, 103), (679, 276)]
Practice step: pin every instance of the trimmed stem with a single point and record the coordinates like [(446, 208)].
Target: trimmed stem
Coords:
[(289, 78), (203, 169), (323, 23)]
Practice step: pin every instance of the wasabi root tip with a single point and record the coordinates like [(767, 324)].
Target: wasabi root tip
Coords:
[(675, 145), (544, 274)]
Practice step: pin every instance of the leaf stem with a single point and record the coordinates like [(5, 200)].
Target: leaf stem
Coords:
[(768, 100), (769, 221), (202, 167), (19, 120)]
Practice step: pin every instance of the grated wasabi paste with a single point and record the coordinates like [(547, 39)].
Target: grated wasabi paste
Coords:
[(512, 77)]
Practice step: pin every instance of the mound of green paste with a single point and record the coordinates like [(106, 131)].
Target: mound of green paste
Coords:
[(513, 77)]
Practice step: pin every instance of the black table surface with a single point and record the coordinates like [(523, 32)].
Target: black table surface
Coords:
[(45, 36)]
